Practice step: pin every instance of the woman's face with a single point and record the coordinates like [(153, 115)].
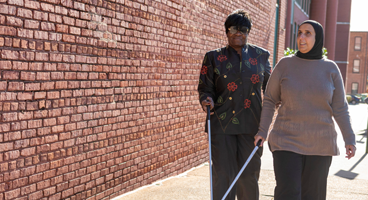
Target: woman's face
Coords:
[(237, 40), (306, 38)]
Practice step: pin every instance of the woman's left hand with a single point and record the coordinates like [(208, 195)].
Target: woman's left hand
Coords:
[(350, 151)]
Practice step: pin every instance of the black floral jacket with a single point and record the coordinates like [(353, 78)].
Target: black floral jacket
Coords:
[(235, 86)]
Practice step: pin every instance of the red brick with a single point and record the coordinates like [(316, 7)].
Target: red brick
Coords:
[(79, 6), (23, 55), (8, 96), (25, 13), (61, 10), (13, 21), (3, 86), (47, 26), (53, 95), (25, 96), (47, 7), (28, 189), (35, 178), (43, 131), (40, 95), (32, 106), (42, 35), (32, 4), (28, 151), (5, 30), (43, 16), (8, 117), (11, 75), (74, 30), (16, 2), (68, 21), (68, 38), (31, 24), (9, 54), (20, 65), (25, 115), (20, 182), (36, 66), (15, 86), (6, 146), (43, 76), (32, 86), (27, 76), (49, 191), (61, 28), (34, 123), (36, 195), (55, 18), (69, 58), (25, 33), (81, 23), (55, 37), (5, 64), (12, 194), (11, 155)]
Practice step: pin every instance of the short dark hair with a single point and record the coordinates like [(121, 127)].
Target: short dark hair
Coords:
[(238, 18)]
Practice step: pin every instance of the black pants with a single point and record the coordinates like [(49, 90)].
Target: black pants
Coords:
[(229, 153), (300, 177)]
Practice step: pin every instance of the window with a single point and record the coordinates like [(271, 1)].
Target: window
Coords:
[(304, 5), (358, 41), (354, 88), (356, 66)]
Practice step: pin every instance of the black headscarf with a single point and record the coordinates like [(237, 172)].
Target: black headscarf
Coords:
[(316, 51)]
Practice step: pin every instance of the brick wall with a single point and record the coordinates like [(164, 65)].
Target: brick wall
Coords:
[(98, 98)]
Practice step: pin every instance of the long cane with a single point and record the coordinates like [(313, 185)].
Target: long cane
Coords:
[(242, 169), (209, 147)]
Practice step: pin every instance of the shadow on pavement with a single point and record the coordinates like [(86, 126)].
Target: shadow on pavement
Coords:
[(349, 174)]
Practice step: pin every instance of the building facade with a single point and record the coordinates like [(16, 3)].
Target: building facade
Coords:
[(357, 71)]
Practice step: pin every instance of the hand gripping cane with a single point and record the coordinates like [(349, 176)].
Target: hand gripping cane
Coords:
[(242, 169), (209, 147)]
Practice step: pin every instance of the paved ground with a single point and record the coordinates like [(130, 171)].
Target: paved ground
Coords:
[(348, 179)]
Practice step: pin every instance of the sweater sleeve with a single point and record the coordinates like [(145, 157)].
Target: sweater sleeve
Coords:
[(271, 98), (340, 109)]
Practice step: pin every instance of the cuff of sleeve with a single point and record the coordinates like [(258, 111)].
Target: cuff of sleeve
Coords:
[(262, 134)]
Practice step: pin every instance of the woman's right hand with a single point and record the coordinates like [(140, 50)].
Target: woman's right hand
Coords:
[(256, 138), (206, 102)]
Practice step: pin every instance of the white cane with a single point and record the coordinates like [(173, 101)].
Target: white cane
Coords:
[(242, 169), (209, 147)]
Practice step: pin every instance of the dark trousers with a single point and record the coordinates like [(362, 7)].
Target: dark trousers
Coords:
[(229, 153), (300, 177)]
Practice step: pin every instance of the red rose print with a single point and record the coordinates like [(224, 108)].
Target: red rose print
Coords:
[(247, 103), (255, 78), (232, 86), (204, 70), (253, 61), (221, 58)]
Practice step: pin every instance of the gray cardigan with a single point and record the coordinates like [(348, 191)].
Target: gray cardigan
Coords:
[(311, 92)]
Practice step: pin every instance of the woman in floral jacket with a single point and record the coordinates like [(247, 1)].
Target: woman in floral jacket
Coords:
[(230, 82)]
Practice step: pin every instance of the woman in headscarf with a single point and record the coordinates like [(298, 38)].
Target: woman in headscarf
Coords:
[(310, 91)]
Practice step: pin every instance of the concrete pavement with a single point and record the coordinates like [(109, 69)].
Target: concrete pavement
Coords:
[(348, 179)]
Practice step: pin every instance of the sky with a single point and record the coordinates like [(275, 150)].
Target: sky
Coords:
[(359, 15)]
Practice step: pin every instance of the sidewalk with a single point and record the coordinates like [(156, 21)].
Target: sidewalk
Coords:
[(348, 179)]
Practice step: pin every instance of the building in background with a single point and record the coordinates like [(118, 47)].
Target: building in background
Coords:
[(357, 71), (334, 15)]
